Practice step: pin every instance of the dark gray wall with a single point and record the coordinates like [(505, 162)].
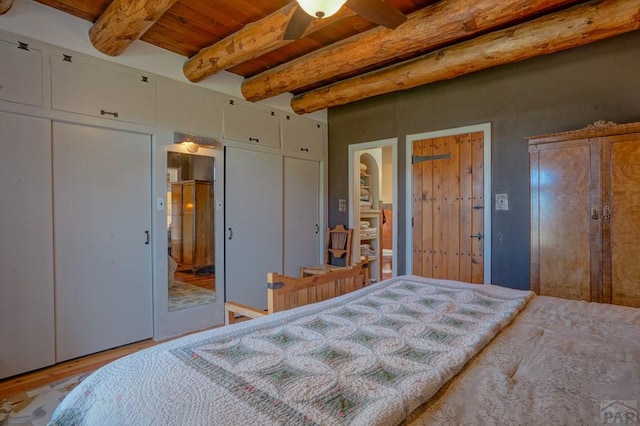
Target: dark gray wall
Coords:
[(558, 92)]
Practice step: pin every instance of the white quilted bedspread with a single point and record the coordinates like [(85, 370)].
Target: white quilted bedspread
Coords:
[(366, 358)]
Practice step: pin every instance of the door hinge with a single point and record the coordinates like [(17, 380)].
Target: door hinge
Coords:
[(415, 159)]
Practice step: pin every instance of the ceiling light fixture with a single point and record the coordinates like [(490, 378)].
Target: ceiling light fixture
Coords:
[(191, 146), (321, 8)]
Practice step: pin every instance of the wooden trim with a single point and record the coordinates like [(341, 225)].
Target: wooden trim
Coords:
[(597, 129), (125, 21), (580, 25)]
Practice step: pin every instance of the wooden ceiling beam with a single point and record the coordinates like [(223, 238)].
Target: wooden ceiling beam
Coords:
[(125, 21), (252, 41), (5, 5), (580, 25), (440, 24)]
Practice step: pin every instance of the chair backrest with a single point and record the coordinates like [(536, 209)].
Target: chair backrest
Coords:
[(338, 244)]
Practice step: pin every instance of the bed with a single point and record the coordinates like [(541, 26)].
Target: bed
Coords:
[(408, 350)]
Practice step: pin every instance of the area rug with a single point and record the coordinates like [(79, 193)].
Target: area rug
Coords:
[(35, 407), (183, 295)]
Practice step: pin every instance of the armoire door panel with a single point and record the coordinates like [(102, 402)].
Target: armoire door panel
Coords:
[(564, 220), (253, 222), (621, 216), (102, 199), (26, 254)]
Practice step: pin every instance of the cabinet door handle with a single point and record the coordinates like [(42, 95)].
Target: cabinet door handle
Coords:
[(103, 112), (606, 214), (304, 149), (594, 213), (317, 228), (147, 233), (230, 233), (256, 140)]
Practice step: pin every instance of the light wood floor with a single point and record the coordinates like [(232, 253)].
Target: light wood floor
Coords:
[(35, 379)]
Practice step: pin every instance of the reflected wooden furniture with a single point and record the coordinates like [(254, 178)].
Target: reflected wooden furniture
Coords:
[(192, 223), (585, 214), (285, 292), (337, 245)]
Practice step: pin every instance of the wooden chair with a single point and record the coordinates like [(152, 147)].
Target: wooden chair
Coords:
[(337, 244), (285, 292)]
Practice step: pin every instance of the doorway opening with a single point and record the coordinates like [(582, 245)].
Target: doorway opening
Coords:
[(373, 205)]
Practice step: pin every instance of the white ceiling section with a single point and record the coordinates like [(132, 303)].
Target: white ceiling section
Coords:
[(48, 25)]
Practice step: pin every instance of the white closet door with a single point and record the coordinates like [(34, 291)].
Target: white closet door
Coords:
[(301, 214), (253, 219), (26, 252), (102, 199)]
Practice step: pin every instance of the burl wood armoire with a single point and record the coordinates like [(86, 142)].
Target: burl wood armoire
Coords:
[(585, 213)]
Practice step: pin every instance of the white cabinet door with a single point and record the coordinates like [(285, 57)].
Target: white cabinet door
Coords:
[(301, 214), (303, 136), (20, 74), (189, 108), (88, 88), (253, 125), (253, 224), (26, 253), (102, 205)]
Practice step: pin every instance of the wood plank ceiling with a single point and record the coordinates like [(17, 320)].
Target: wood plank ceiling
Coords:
[(345, 58)]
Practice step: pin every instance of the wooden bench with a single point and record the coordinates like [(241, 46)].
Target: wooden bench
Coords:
[(284, 292)]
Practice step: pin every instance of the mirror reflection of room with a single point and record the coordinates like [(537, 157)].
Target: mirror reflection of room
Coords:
[(190, 230)]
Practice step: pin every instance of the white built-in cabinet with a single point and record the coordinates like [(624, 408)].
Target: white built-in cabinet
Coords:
[(76, 259), (251, 124), (189, 109), (301, 214), (102, 228), (80, 85), (20, 73), (302, 135), (271, 220), (253, 224), (26, 253)]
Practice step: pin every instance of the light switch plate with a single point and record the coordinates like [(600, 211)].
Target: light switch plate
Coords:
[(160, 203), (502, 201), (342, 205)]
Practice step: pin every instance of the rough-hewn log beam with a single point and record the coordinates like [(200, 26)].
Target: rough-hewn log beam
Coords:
[(5, 5), (253, 40), (125, 21), (580, 25), (440, 24)]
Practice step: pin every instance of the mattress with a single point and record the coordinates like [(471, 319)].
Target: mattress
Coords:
[(560, 362)]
